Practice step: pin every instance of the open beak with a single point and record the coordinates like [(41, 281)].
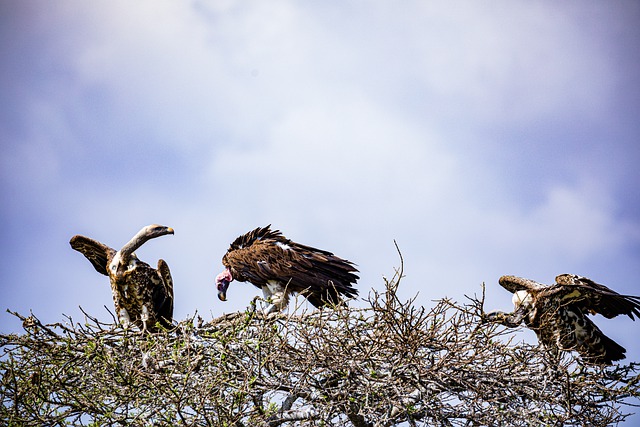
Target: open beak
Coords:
[(222, 289)]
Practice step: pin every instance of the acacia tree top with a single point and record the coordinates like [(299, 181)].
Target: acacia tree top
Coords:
[(391, 363)]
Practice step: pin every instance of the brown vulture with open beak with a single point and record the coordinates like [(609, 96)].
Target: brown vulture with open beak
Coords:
[(558, 315), (281, 267), (142, 295)]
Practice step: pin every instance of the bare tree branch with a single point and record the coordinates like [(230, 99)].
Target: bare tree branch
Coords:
[(391, 363)]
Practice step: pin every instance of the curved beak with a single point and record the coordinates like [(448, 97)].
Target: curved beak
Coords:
[(222, 289)]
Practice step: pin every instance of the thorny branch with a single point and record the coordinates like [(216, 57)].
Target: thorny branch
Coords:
[(391, 363)]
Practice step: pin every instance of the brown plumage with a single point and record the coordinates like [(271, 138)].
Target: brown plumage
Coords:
[(558, 314), (280, 267), (142, 295)]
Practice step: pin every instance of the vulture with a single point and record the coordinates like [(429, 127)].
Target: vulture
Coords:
[(281, 267), (558, 315), (142, 295)]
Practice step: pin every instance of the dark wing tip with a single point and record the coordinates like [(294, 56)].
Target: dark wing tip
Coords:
[(600, 298), (76, 241), (97, 253), (163, 296)]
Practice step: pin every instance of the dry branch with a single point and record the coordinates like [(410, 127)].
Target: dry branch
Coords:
[(392, 363)]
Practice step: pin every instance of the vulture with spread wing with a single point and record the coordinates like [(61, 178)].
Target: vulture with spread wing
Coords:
[(558, 314), (142, 295), (280, 267)]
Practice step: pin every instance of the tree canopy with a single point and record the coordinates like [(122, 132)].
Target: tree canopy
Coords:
[(390, 363)]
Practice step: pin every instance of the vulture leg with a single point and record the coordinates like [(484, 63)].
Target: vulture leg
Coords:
[(276, 295), (271, 309), (123, 317), (144, 317), (266, 292)]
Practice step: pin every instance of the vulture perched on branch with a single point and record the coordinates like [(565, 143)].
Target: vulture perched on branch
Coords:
[(558, 315), (142, 295), (280, 267)]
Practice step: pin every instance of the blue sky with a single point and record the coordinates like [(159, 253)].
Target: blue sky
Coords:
[(486, 138)]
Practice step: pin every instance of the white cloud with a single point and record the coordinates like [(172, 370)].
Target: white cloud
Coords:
[(572, 224), (190, 73), (353, 154)]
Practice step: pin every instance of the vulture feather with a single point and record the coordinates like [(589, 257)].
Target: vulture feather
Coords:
[(281, 267), (142, 295), (558, 314)]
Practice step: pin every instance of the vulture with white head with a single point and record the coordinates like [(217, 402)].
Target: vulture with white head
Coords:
[(558, 314), (281, 267), (142, 295)]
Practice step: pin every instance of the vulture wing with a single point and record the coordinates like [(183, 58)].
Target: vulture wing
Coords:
[(594, 297), (163, 295), (99, 254), (267, 255)]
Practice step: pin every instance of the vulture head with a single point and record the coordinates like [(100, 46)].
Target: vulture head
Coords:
[(120, 261), (145, 234), (222, 282), (154, 230)]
